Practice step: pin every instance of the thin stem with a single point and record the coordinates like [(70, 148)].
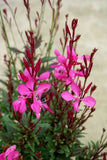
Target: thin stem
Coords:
[(55, 17), (8, 45), (15, 22)]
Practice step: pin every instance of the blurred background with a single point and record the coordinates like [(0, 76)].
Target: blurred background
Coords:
[(92, 17)]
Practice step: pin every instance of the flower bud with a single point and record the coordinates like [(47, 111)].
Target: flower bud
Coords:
[(74, 23)]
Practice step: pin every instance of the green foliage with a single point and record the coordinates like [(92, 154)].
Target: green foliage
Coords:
[(54, 136)]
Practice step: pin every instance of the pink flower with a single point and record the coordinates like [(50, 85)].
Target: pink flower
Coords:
[(27, 91), (36, 107), (10, 153), (88, 101), (2, 156), (13, 155), (10, 149), (64, 70), (37, 103), (20, 104), (31, 77)]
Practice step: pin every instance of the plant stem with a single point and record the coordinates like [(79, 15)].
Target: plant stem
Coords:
[(8, 45)]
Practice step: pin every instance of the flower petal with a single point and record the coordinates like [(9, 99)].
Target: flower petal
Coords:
[(72, 74), (36, 108), (13, 155), (2, 156), (44, 76), (67, 96), (30, 84), (61, 59), (60, 72), (47, 108), (76, 106), (27, 74), (16, 105), (89, 101), (75, 89), (57, 53), (22, 107), (54, 65), (23, 90), (10, 149), (43, 87), (82, 57), (73, 54)]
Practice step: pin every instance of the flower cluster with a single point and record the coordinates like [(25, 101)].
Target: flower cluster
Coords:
[(69, 69), (10, 154), (31, 92), (57, 92)]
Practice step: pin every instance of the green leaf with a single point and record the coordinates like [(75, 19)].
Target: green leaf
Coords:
[(36, 139), (30, 146), (3, 82), (15, 50), (47, 59), (10, 124)]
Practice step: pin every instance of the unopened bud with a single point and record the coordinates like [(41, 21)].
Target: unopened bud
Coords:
[(77, 38), (104, 129), (74, 23), (92, 109)]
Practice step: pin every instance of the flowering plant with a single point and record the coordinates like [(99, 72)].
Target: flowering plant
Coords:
[(47, 102)]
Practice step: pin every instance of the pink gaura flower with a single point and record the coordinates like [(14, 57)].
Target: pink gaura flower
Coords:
[(64, 69), (2, 156), (10, 154), (20, 104), (10, 149), (88, 101), (31, 77), (27, 91), (37, 103)]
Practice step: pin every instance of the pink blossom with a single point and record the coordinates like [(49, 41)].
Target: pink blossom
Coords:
[(43, 87), (36, 107), (10, 153), (32, 77), (88, 101), (37, 103), (73, 56), (10, 149), (27, 91), (2, 156), (82, 57), (60, 72), (20, 104), (64, 70), (13, 155), (67, 96)]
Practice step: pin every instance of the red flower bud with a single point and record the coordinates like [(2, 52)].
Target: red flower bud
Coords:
[(37, 66), (88, 87), (74, 23), (26, 63), (24, 78)]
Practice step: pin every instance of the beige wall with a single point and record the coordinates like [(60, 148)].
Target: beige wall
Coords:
[(92, 15)]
